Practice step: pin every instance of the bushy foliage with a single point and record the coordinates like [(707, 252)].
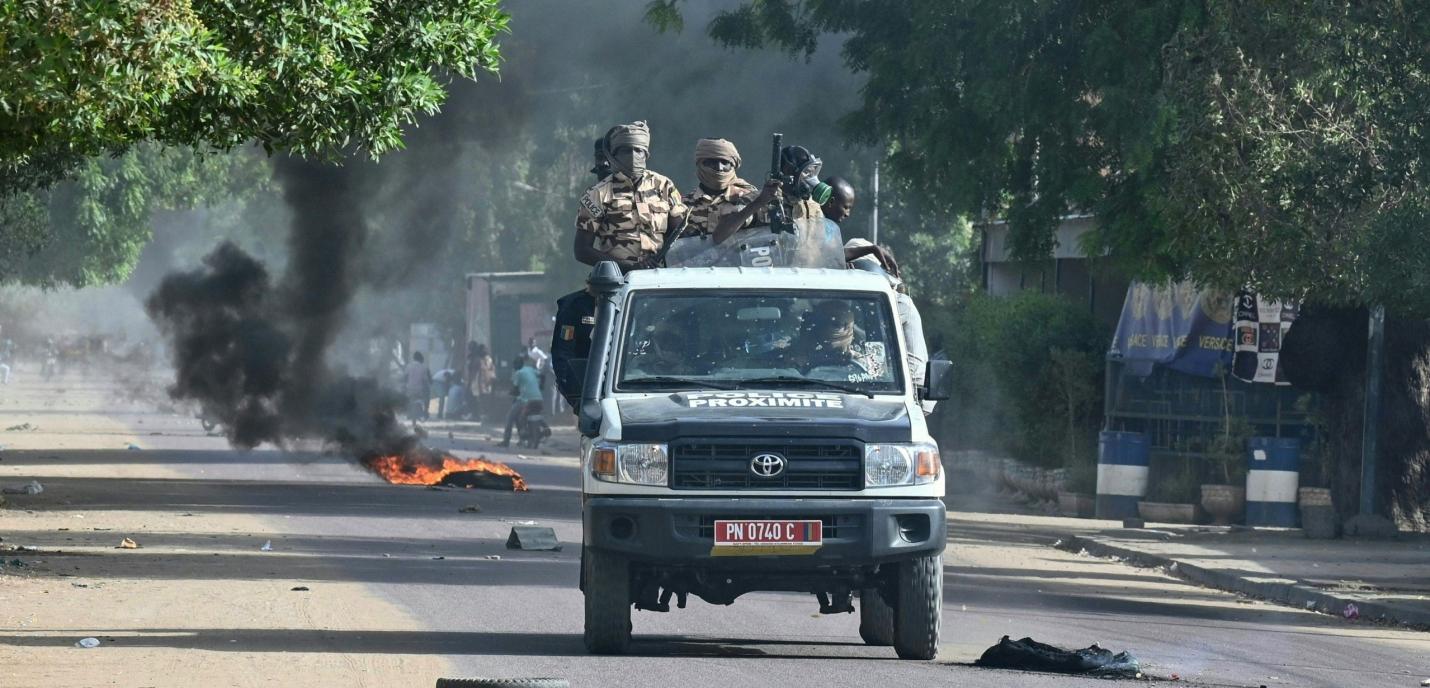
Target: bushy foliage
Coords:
[(1279, 144), (116, 98), (1029, 370)]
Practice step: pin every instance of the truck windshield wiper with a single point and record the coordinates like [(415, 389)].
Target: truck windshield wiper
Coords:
[(653, 380), (795, 380)]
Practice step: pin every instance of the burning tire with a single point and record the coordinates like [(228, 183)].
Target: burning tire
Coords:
[(503, 683), (919, 609), (876, 618), (608, 602)]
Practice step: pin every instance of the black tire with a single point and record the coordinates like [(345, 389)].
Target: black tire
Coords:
[(919, 610), (503, 683), (876, 619), (608, 603)]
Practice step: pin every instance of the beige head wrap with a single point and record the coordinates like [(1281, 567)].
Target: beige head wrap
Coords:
[(634, 134), (721, 149)]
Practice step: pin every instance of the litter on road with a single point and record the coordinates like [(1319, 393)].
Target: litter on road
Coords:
[(470, 509), (267, 546), (533, 539), (31, 488), (298, 588), (87, 642), (1030, 655), (127, 543)]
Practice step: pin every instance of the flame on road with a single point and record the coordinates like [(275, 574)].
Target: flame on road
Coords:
[(426, 467)]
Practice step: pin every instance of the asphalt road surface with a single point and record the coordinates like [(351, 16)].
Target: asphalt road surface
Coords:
[(521, 614)]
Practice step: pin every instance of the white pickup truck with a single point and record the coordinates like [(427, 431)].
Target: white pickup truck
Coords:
[(756, 429)]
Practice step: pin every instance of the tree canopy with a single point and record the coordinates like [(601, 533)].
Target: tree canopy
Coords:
[(1276, 145), (85, 81)]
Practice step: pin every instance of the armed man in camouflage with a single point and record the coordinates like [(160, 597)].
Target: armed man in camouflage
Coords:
[(721, 192), (627, 216), (796, 163)]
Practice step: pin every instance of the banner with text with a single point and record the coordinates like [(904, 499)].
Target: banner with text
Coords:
[(1175, 325)]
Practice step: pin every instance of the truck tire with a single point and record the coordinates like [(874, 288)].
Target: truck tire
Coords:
[(608, 603), (876, 618), (919, 610), (503, 683)]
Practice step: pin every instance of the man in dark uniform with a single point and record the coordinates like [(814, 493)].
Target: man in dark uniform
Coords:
[(571, 343)]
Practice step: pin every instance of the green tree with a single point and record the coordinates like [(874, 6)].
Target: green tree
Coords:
[(1279, 145), (85, 81)]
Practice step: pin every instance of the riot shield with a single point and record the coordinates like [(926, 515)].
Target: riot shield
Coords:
[(814, 244)]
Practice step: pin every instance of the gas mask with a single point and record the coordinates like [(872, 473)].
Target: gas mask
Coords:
[(802, 169)]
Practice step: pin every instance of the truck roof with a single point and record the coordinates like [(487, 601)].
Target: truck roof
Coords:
[(761, 278)]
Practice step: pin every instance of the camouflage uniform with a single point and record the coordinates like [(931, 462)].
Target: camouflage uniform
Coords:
[(706, 210), (628, 220)]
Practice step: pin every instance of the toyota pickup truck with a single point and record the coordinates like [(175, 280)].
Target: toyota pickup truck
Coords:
[(756, 429)]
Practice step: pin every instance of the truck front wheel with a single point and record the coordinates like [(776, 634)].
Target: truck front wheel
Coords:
[(876, 618), (919, 609), (608, 602)]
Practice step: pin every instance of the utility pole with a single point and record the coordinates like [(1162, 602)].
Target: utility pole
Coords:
[(1374, 371), (874, 218)]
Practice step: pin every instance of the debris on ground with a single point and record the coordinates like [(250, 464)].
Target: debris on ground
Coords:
[(493, 557), (87, 642), (31, 488), (439, 558), (267, 546), (21, 428), (483, 480), (1030, 655), (470, 509), (531, 538), (127, 543), (298, 588), (1351, 612), (133, 447)]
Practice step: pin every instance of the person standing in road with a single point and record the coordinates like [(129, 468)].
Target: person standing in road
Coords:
[(721, 191), (419, 386), (527, 389), (627, 216)]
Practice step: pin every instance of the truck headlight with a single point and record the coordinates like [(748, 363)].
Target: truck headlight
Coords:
[(637, 464), (890, 465)]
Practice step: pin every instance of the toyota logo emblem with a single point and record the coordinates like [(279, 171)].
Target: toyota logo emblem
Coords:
[(767, 465)]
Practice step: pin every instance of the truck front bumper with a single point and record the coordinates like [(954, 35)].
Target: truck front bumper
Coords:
[(679, 531)]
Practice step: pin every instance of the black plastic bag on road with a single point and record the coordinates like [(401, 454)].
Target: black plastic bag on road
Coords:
[(1030, 655)]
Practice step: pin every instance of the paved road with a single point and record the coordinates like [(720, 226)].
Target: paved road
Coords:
[(520, 615)]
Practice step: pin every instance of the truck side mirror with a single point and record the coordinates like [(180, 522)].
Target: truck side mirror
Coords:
[(938, 380)]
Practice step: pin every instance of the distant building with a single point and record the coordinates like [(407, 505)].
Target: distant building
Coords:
[(505, 309), (1067, 272)]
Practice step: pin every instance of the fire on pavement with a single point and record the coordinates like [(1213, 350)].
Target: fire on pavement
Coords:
[(423, 466)]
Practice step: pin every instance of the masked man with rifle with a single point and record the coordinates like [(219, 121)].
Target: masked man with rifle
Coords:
[(791, 196), (628, 216)]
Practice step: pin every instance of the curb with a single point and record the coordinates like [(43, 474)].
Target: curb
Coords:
[(1280, 590)]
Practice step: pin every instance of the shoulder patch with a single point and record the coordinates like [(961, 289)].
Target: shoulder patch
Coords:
[(590, 204)]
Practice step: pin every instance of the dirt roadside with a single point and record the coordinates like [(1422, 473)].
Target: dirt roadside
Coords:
[(135, 601)]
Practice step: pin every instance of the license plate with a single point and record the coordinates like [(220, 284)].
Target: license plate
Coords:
[(750, 537)]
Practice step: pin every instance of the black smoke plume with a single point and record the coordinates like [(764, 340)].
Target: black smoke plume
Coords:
[(251, 352)]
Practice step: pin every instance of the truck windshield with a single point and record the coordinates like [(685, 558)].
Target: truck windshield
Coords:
[(769, 340)]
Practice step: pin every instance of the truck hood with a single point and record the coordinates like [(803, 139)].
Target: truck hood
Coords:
[(753, 413)]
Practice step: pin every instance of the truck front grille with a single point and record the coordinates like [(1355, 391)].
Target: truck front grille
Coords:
[(725, 465)]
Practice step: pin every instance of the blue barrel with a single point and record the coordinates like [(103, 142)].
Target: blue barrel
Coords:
[(1272, 476), (1121, 473)]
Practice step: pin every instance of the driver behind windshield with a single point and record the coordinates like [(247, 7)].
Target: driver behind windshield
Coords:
[(828, 335), (665, 352)]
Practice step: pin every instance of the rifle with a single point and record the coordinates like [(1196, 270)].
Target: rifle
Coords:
[(779, 222)]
